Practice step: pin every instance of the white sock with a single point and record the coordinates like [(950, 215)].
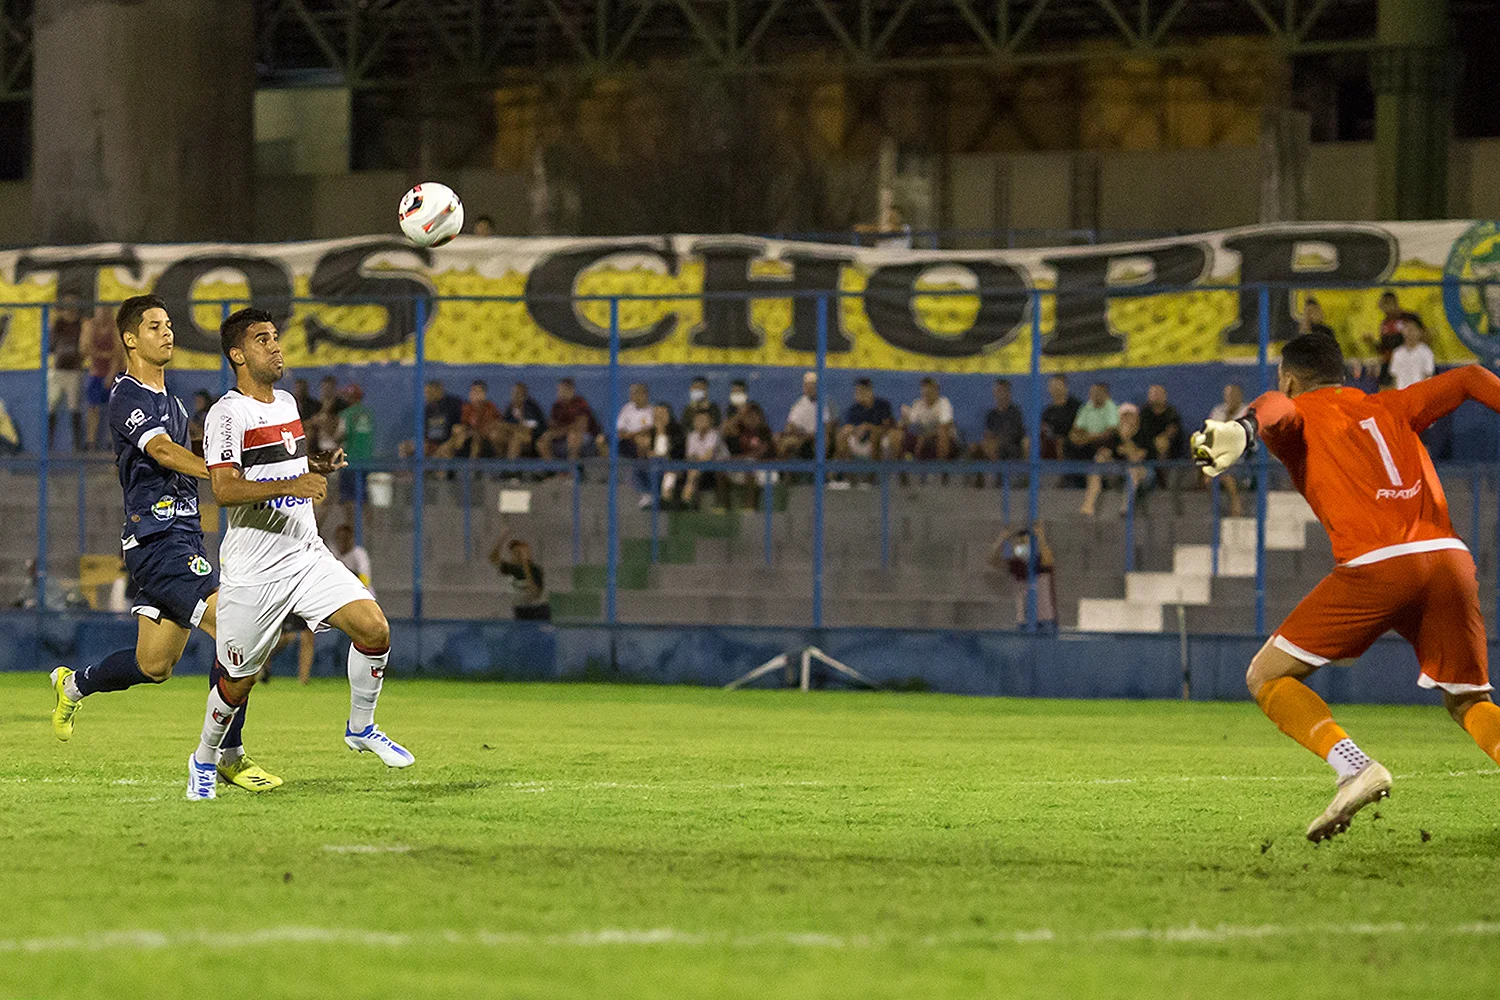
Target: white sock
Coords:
[(70, 687), (216, 722), (228, 755), (366, 674), (1347, 759)]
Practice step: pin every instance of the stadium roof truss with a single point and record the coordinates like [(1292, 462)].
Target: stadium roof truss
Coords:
[(399, 43)]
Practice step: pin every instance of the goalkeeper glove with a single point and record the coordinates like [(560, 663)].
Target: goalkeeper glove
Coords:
[(1221, 443)]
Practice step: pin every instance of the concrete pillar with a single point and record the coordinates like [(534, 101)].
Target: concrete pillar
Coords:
[(1412, 73), (143, 120), (1284, 141)]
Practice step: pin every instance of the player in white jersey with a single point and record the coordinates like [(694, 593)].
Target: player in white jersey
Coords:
[(272, 561)]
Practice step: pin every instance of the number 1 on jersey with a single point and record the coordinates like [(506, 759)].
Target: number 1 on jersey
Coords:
[(1385, 451)]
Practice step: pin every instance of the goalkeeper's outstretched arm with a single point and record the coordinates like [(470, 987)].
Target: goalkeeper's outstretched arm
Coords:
[(1222, 443)]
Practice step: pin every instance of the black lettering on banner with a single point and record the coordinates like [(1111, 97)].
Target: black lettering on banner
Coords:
[(1082, 325), (340, 275), (269, 283), (1361, 256), (1003, 308), (816, 273), (553, 282), (78, 273), (726, 272)]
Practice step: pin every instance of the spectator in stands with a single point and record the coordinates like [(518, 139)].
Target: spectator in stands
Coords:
[(512, 557), (1388, 338), (1311, 320), (357, 432), (1232, 408), (739, 398), (667, 442), (748, 436), (797, 439), (889, 232), (1413, 361), (572, 422), (10, 434), (698, 400), (65, 374), (1012, 552), (1125, 444), (201, 402), (104, 358), (704, 444), (441, 415), (1004, 430), (306, 405), (524, 423), (323, 427), (357, 561), (1057, 418), (869, 431), (633, 423), (480, 432), (1095, 426), (930, 431), (484, 226), (1161, 431)]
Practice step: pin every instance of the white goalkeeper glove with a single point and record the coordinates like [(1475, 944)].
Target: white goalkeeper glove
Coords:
[(1220, 444)]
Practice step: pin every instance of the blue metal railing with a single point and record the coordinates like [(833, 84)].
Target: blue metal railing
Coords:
[(818, 469)]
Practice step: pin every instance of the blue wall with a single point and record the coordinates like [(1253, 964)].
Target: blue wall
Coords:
[(978, 663), (1194, 389)]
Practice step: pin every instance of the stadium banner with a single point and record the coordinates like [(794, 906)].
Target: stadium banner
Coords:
[(887, 317)]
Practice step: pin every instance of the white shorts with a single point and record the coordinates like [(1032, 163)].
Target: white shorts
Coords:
[(250, 615), (63, 388)]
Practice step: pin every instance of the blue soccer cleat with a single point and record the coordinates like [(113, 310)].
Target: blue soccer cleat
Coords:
[(202, 780), (372, 740)]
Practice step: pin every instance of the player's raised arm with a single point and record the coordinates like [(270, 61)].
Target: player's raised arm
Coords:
[(1432, 398), (171, 455)]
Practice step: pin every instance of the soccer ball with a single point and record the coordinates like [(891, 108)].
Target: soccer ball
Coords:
[(431, 215)]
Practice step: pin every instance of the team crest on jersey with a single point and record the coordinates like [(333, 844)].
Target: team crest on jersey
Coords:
[(199, 566), (164, 509), (134, 421), (289, 441)]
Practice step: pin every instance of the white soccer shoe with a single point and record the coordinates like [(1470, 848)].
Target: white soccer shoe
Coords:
[(203, 780), (372, 740), (1371, 784)]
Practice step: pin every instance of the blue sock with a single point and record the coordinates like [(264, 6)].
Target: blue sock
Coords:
[(234, 736), (115, 672)]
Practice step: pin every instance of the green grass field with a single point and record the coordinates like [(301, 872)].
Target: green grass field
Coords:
[(557, 841)]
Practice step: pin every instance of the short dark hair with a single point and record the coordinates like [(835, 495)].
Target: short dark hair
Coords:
[(1102, 385), (132, 310), (700, 378), (1387, 294), (567, 382), (739, 382), (928, 380), (232, 330), (481, 383), (1058, 377), (863, 383), (1003, 381), (1314, 357)]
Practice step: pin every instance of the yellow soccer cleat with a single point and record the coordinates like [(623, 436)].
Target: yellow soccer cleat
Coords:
[(65, 707), (248, 775)]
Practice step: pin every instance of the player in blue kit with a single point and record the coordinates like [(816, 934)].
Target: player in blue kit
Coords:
[(163, 537)]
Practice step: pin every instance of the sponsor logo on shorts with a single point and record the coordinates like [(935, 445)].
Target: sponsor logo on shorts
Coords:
[(134, 421), (199, 566), (1405, 494), (234, 654)]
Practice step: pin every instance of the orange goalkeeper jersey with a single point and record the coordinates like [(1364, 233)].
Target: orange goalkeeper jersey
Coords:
[(1358, 461)]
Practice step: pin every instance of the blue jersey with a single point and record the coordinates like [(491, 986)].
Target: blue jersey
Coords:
[(156, 498)]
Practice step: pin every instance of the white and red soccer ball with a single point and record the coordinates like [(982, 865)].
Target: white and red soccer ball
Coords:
[(431, 214)]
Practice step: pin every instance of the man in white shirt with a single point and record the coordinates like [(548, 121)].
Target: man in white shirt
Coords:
[(634, 423), (1413, 360), (930, 431), (797, 439)]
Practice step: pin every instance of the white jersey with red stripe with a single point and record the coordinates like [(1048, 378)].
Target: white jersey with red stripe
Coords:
[(272, 539)]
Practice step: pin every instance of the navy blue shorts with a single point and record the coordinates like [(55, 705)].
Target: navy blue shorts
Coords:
[(173, 577)]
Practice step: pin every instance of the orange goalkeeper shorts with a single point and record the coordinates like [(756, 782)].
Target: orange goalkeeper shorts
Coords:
[(1430, 599)]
